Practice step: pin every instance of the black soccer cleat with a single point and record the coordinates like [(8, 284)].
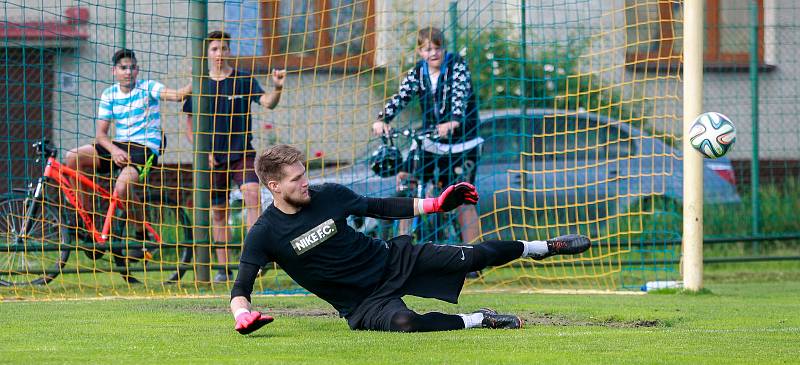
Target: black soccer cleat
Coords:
[(491, 319), (571, 244)]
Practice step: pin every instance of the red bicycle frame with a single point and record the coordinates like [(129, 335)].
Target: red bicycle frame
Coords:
[(55, 171)]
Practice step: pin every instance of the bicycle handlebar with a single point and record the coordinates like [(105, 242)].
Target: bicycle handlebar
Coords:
[(43, 148), (410, 133)]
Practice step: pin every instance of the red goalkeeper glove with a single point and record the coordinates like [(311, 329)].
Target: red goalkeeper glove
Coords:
[(248, 322), (452, 197)]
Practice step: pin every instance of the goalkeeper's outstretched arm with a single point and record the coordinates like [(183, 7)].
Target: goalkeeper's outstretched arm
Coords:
[(399, 208), (390, 208), (243, 286), (246, 321)]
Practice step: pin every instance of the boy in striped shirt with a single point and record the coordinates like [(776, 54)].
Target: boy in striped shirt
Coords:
[(132, 106)]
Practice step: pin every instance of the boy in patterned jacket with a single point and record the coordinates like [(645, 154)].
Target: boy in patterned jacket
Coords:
[(443, 84)]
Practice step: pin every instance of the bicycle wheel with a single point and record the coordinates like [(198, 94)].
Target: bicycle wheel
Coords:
[(172, 224), (31, 262)]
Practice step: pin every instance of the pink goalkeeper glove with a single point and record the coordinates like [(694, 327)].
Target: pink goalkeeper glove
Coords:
[(248, 322), (452, 197)]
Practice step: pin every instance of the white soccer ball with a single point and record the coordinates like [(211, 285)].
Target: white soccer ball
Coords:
[(712, 134)]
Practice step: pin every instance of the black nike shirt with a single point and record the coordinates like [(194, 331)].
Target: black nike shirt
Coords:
[(317, 248)]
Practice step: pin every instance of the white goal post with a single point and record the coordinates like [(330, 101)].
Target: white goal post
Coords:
[(692, 259)]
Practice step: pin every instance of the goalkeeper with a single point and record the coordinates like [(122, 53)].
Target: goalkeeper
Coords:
[(305, 231)]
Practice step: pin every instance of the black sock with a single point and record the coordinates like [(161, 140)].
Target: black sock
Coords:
[(495, 253), (409, 321)]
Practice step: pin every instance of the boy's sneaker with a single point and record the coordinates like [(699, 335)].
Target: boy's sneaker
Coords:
[(571, 244), (128, 255), (223, 276), (492, 319)]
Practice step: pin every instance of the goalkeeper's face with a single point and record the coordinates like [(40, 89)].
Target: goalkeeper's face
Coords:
[(293, 186)]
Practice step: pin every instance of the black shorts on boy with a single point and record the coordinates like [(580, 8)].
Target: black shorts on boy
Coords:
[(229, 174), (138, 156)]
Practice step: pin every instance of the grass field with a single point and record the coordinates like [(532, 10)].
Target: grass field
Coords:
[(750, 314)]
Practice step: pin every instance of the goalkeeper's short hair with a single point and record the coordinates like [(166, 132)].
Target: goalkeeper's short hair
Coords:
[(270, 162)]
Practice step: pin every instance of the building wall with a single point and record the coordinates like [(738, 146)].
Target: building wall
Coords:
[(332, 111), (779, 90), (603, 23)]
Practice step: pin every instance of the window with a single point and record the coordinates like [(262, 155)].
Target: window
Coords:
[(655, 29), (302, 34), (727, 36)]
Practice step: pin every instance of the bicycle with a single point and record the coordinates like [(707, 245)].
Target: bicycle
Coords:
[(39, 228), (440, 228)]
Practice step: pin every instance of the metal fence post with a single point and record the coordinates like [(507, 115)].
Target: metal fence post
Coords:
[(200, 174), (121, 40), (755, 199), (523, 39), (452, 9)]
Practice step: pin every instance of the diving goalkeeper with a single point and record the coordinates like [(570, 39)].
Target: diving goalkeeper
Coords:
[(305, 231)]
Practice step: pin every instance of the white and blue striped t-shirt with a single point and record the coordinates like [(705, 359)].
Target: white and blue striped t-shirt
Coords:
[(135, 114)]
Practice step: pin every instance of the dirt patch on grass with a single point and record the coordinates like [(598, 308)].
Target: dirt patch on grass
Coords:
[(531, 319), (303, 312), (293, 312), (539, 319)]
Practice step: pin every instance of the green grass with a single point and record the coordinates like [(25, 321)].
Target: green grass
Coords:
[(749, 315)]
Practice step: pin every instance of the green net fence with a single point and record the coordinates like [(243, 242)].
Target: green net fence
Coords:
[(578, 106)]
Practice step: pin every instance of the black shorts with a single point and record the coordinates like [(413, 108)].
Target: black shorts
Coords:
[(425, 270), (228, 174), (138, 156), (452, 168)]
